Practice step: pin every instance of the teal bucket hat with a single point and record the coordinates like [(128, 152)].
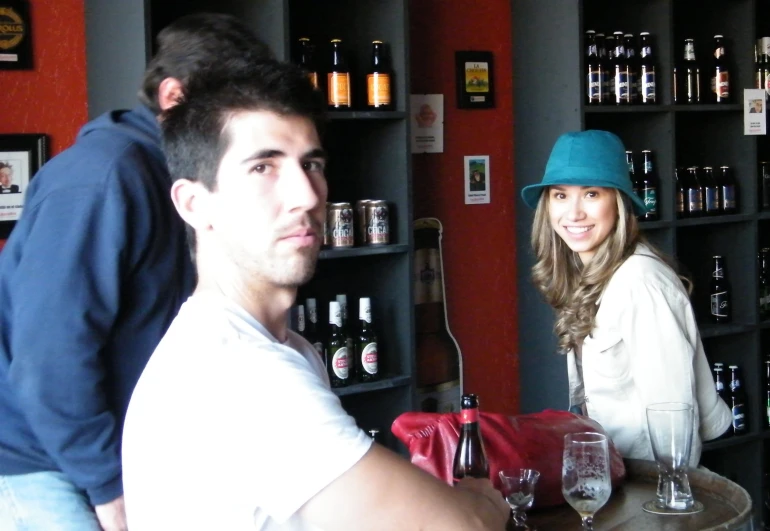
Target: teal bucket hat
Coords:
[(586, 158)]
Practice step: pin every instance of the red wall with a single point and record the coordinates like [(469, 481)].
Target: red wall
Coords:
[(479, 240), (52, 98)]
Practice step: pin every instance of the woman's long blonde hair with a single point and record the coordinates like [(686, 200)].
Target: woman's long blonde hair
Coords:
[(573, 288)]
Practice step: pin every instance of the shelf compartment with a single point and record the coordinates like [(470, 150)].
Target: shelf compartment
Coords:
[(350, 252), (713, 220), (388, 382)]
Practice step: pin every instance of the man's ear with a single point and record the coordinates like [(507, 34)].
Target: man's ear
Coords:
[(170, 92), (193, 203)]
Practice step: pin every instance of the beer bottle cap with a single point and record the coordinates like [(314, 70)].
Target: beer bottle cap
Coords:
[(591, 31), (304, 39), (718, 36), (617, 33), (724, 167), (644, 33), (707, 168), (646, 151), (629, 152), (600, 34), (733, 366), (336, 40), (717, 256), (376, 42), (628, 35)]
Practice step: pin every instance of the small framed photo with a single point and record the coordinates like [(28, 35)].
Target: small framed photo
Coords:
[(20, 157), (477, 184), (474, 72)]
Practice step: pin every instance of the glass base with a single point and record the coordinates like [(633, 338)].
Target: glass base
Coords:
[(653, 507)]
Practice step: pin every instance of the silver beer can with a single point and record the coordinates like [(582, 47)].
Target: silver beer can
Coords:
[(377, 223), (339, 219)]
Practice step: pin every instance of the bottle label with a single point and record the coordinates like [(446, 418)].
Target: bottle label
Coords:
[(680, 202), (428, 276), (378, 89), (689, 52), (764, 299), (712, 199), (469, 415), (720, 386), (340, 363), (312, 313), (369, 358), (646, 50), (621, 85), (694, 200), (719, 305), (594, 84), (339, 89), (301, 321), (313, 76), (648, 86), (739, 420), (650, 198), (719, 52), (319, 347), (720, 84), (728, 197), (605, 83)]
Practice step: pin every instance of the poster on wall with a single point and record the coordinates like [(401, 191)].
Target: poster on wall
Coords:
[(20, 158), (477, 185), (15, 35), (427, 123), (754, 112)]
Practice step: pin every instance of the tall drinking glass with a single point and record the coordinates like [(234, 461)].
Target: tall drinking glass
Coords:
[(585, 474), (670, 427)]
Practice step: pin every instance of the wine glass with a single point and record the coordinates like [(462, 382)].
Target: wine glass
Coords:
[(585, 474), (519, 491)]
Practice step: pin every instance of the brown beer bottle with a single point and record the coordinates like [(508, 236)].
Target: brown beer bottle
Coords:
[(470, 458), (720, 75), (305, 60), (378, 80), (437, 354), (338, 79)]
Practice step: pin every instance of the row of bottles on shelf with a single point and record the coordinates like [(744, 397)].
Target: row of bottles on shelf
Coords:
[(340, 83), (617, 75), (350, 355), (702, 191), (719, 290), (369, 225), (735, 397)]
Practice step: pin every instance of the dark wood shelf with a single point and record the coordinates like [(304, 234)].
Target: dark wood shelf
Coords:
[(388, 382), (726, 329), (765, 214), (349, 252), (366, 115), (659, 224), (707, 107), (714, 220), (732, 441), (589, 109)]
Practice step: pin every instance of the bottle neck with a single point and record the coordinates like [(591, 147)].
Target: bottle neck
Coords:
[(469, 417)]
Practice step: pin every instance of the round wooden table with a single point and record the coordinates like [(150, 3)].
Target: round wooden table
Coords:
[(727, 505)]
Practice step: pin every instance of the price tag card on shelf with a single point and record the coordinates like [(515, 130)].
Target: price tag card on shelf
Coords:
[(477, 179), (427, 123), (754, 112)]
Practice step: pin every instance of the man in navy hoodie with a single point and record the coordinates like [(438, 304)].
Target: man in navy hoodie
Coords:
[(91, 277)]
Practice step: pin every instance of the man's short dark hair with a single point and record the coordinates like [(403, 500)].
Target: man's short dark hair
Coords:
[(196, 42), (196, 133)]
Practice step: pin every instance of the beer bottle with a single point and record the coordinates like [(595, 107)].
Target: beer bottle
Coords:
[(438, 356), (342, 299), (338, 86), (620, 72), (301, 320), (337, 353), (728, 191), (690, 74), (681, 193), (601, 48), (764, 283), (312, 334), (647, 87), (306, 61), (649, 187), (759, 74), (713, 200), (720, 75), (610, 74), (367, 366), (696, 193), (764, 184), (764, 49), (719, 381), (738, 402), (721, 310), (378, 80), (594, 92), (636, 184), (767, 392), (470, 457), (633, 67)]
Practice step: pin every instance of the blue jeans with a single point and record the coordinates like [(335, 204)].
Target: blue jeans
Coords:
[(44, 501)]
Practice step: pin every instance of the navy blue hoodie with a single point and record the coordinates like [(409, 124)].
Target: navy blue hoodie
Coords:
[(90, 279)]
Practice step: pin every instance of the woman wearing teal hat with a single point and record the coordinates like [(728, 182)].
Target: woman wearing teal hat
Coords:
[(623, 315)]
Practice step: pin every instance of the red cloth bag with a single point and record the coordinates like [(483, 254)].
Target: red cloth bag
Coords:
[(534, 440)]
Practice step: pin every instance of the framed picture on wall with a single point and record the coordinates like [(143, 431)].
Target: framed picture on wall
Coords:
[(15, 35), (474, 73), (20, 157)]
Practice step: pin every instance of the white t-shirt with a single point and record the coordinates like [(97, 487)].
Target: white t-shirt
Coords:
[(229, 429)]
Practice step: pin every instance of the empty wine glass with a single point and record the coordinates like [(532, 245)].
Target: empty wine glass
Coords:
[(519, 492), (585, 474)]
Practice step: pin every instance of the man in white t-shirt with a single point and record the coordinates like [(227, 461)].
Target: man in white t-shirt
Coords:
[(233, 424)]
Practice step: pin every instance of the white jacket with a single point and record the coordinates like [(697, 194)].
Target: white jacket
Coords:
[(645, 349)]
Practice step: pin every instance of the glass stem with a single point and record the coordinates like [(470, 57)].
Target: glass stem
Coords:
[(588, 523)]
